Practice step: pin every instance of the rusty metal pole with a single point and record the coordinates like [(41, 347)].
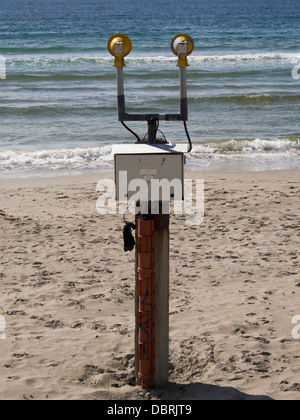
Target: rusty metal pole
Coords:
[(152, 294), (152, 304), (161, 285), (146, 298), (152, 300)]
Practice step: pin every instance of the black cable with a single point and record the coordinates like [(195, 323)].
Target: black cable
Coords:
[(129, 241), (129, 129), (163, 135), (188, 137)]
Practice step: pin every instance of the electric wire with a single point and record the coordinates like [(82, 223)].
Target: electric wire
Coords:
[(131, 131), (188, 137), (157, 129), (163, 135)]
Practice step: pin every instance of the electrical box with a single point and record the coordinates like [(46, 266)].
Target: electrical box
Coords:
[(135, 166)]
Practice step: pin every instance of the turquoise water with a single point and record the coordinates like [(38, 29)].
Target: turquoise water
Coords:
[(58, 101)]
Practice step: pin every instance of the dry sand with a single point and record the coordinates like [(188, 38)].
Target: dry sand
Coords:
[(67, 293)]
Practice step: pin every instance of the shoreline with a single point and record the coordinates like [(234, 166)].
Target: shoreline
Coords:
[(93, 177)]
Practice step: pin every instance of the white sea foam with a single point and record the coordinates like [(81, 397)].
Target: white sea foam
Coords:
[(247, 147), (246, 155), (279, 152), (47, 59), (256, 57), (80, 159)]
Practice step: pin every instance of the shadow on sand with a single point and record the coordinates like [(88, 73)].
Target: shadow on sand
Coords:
[(203, 392)]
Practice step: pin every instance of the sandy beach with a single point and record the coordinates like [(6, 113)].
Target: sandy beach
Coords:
[(67, 292)]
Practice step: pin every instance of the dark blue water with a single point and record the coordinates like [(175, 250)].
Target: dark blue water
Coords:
[(58, 101)]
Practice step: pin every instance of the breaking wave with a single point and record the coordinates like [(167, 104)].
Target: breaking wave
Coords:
[(247, 146), (20, 163)]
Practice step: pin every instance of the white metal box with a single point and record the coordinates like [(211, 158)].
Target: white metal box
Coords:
[(146, 162)]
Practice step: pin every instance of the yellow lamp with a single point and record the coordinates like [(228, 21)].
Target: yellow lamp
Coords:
[(119, 45), (182, 45)]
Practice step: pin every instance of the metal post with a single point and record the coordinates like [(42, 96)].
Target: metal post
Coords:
[(120, 93), (152, 300), (161, 284), (145, 316), (183, 94)]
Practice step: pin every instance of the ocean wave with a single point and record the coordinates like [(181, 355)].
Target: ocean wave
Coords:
[(69, 58), (156, 104), (55, 160), (246, 155), (246, 99), (246, 147), (100, 158), (54, 110), (222, 58), (244, 57)]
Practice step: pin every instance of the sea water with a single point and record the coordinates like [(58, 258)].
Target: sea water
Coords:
[(58, 110)]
